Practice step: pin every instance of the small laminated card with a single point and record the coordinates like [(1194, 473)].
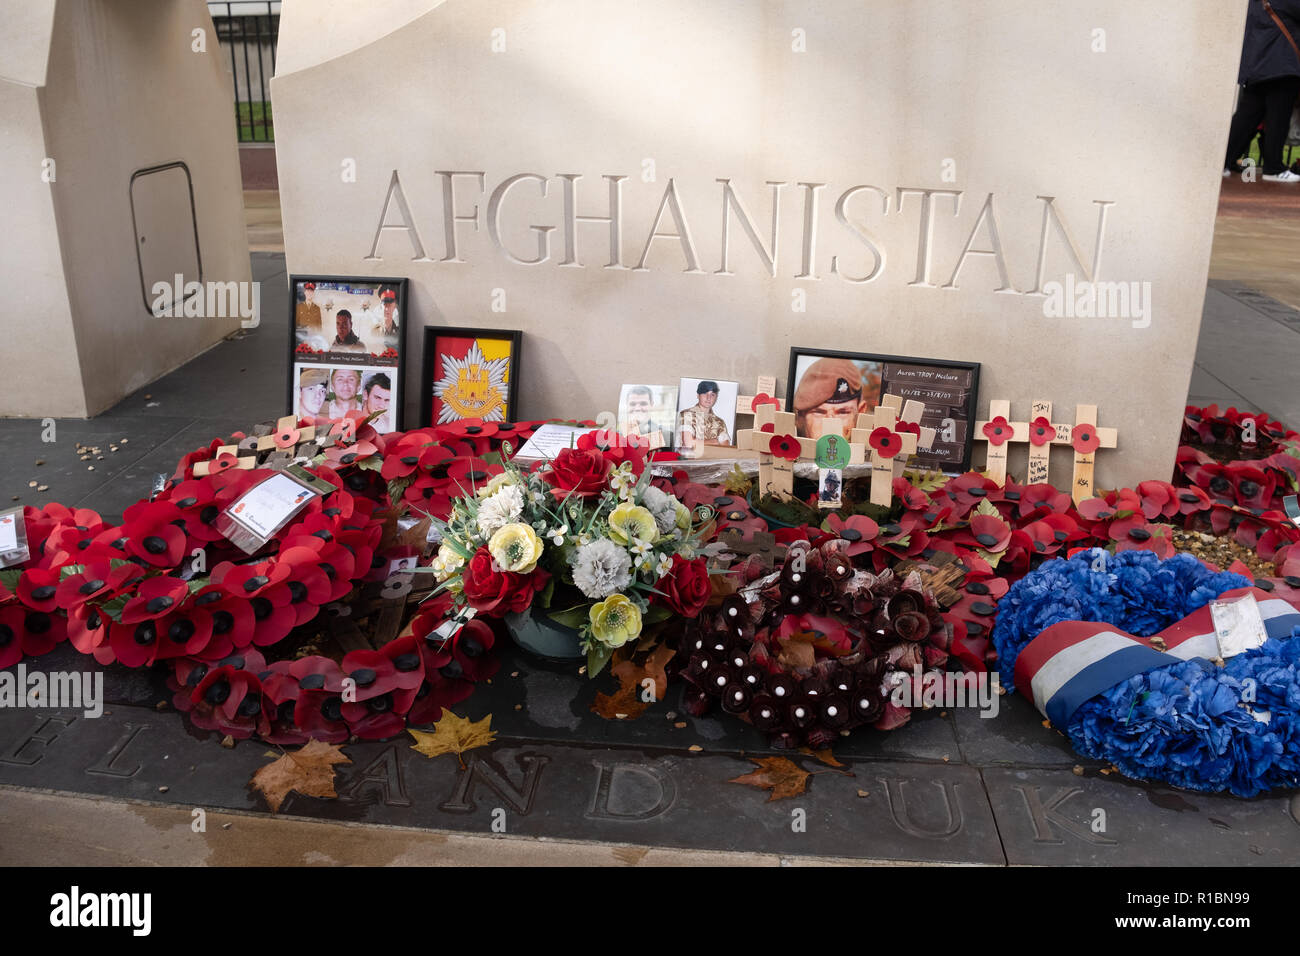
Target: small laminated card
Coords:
[(1238, 625)]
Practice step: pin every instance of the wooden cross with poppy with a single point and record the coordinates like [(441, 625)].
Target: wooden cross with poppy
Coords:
[(888, 438), (909, 419), (1086, 438), (764, 395), (999, 432), (276, 448), (775, 439)]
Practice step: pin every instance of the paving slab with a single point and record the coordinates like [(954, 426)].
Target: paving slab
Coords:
[(627, 795), (1252, 352), (1058, 818)]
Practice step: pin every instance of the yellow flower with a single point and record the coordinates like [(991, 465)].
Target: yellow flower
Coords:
[(683, 516), (629, 521), (516, 547), (447, 563), (615, 621), (495, 484)]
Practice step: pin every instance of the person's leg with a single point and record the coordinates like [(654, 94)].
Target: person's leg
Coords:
[(1250, 110), (1279, 98)]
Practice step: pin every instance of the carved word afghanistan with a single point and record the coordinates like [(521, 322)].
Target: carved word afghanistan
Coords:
[(462, 213)]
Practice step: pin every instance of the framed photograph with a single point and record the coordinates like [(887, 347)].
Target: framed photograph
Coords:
[(470, 373), (347, 323), (331, 391), (706, 413), (649, 411), (827, 390)]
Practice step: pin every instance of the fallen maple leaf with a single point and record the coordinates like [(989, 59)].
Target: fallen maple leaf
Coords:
[(309, 771), (781, 776), (825, 756), (453, 735), (797, 652), (626, 703)]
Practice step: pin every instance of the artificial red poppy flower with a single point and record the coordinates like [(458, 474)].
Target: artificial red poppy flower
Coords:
[(784, 446), (912, 428), (38, 588), (87, 628), (1084, 439), (249, 580), (467, 475), (155, 598), (319, 715), (1039, 500), (769, 428), (233, 623), (152, 535), (858, 530), (1158, 498), (965, 491), (273, 615), (998, 430), (1041, 431), (340, 455), (403, 456), (762, 398), (885, 441), (28, 633), (229, 700), (1148, 537), (990, 533), (1252, 485), (97, 581), (287, 437), (309, 589)]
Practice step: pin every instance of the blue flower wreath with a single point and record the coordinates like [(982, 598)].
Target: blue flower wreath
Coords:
[(1183, 723)]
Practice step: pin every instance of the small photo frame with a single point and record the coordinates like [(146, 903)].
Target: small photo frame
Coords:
[(348, 321), (649, 411), (470, 373), (331, 391), (827, 390), (706, 413)]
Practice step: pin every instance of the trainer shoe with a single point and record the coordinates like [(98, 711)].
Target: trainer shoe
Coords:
[(1286, 176)]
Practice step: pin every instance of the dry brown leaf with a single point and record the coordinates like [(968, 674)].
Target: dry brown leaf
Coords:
[(626, 702), (309, 771), (453, 735), (783, 777), (797, 652), (825, 756)]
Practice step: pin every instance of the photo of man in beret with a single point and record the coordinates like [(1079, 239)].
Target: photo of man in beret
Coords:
[(699, 424), (831, 393)]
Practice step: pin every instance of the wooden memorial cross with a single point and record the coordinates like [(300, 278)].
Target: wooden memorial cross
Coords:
[(999, 431), (895, 445), (1086, 438), (776, 472), (284, 440), (909, 412), (767, 387)]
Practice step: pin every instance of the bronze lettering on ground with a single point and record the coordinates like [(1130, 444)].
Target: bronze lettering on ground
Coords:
[(609, 773), (903, 818), (44, 734), (482, 770), (105, 763), (384, 772), (1042, 815)]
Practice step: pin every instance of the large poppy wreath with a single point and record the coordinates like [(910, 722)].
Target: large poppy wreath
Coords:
[(233, 630), (1119, 652)]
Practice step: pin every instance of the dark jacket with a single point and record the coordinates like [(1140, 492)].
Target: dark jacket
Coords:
[(1265, 53)]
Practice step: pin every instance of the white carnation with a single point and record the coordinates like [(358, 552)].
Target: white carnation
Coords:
[(601, 568), (503, 508), (663, 506)]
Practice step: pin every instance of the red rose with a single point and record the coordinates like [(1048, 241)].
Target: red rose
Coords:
[(577, 471), (685, 587), (498, 593)]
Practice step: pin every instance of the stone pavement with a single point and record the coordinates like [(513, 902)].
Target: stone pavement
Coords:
[(567, 786)]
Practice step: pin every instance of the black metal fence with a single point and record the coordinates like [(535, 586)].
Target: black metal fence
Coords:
[(247, 31)]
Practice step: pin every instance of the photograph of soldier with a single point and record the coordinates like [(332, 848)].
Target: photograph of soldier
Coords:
[(830, 393), (376, 391), (829, 492), (386, 321), (648, 411), (344, 383), (313, 384), (346, 338), (711, 419)]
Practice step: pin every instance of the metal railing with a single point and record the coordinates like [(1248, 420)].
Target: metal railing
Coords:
[(247, 31)]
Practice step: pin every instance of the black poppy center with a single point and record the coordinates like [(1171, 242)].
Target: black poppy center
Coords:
[(332, 709), (250, 706), (977, 587), (255, 582), (159, 604), (452, 670), (850, 534), (261, 608), (90, 587), (145, 633), (986, 539), (312, 682), (181, 631), (470, 646), (155, 545), (6, 635), (44, 592), (407, 662), (297, 592), (364, 676), (187, 502), (217, 692), (222, 622), (328, 569)]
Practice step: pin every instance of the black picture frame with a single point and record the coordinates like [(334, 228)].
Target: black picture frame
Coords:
[(304, 351), (428, 366), (944, 458)]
